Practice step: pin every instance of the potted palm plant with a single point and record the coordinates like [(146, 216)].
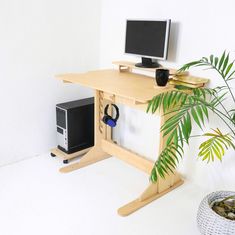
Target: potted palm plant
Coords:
[(216, 214)]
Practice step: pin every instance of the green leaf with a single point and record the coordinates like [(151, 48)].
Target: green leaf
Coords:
[(225, 63), (153, 176), (166, 162), (218, 99), (165, 167), (200, 114), (165, 102), (149, 105), (180, 135), (205, 59), (169, 165), (188, 123), (215, 145), (181, 87), (211, 59), (171, 137), (178, 149), (230, 76), (221, 147), (184, 99), (221, 60), (173, 154), (216, 61), (186, 126), (204, 108), (195, 117), (169, 99), (185, 133), (173, 121), (176, 137), (155, 103), (160, 170), (189, 65), (228, 69)]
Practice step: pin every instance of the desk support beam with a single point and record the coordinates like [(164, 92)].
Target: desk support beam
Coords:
[(128, 156)]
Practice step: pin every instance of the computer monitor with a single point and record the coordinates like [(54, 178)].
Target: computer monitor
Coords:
[(148, 39)]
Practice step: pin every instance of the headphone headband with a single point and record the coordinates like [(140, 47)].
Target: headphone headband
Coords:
[(106, 110), (116, 110)]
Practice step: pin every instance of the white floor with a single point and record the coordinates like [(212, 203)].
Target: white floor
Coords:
[(35, 199)]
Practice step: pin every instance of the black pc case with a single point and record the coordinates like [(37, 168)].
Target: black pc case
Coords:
[(75, 125)]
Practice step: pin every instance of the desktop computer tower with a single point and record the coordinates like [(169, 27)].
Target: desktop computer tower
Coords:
[(75, 125)]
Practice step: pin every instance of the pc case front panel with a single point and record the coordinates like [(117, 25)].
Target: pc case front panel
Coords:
[(62, 124)]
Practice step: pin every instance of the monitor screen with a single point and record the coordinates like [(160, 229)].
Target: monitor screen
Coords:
[(147, 38)]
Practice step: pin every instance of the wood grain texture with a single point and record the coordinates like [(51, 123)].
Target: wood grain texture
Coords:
[(94, 155), (131, 65), (66, 156), (191, 79), (138, 203), (182, 78), (128, 156), (132, 86)]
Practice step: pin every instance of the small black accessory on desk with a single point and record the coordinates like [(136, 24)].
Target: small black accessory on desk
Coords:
[(107, 119), (162, 77)]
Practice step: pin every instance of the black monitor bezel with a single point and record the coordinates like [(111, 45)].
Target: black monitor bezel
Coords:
[(166, 44)]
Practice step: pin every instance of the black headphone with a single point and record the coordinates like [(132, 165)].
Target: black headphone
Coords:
[(107, 119)]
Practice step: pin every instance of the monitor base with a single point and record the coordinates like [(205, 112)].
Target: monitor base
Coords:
[(147, 63)]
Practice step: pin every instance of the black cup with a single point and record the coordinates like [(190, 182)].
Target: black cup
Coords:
[(162, 77)]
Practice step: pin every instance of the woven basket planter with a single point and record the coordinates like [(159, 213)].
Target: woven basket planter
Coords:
[(209, 222)]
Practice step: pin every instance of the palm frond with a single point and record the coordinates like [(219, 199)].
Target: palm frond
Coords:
[(177, 98), (215, 146), (167, 161), (220, 64), (184, 106)]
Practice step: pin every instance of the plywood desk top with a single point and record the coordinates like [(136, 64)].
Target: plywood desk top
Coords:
[(137, 87)]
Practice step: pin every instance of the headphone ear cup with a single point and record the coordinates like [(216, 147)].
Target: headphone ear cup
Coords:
[(105, 119), (111, 122)]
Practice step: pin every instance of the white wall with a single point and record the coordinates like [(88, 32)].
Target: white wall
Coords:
[(199, 28), (38, 40)]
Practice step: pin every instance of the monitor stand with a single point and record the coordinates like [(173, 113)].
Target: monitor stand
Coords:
[(147, 63)]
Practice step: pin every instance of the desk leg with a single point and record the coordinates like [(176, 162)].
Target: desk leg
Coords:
[(154, 190), (94, 155), (101, 132), (150, 194)]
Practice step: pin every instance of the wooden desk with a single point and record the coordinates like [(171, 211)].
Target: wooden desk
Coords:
[(135, 90)]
